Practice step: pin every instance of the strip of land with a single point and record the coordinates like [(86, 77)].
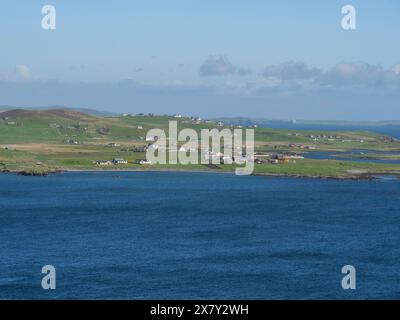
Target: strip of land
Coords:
[(36, 142)]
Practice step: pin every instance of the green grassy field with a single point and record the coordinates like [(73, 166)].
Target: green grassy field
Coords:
[(38, 142)]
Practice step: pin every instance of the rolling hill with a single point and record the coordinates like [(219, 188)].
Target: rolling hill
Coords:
[(41, 141)]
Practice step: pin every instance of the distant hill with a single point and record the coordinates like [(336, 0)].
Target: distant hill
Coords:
[(38, 141), (273, 123), (88, 111), (245, 121), (66, 114)]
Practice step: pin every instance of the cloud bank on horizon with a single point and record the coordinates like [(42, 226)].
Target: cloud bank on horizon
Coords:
[(273, 60), (290, 90), (219, 65)]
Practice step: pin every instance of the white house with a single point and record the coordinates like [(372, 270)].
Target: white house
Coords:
[(103, 162), (151, 138), (113, 144), (227, 160), (119, 161)]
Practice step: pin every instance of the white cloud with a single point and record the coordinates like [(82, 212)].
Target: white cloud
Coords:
[(360, 74), (219, 65), (21, 73), (268, 98), (291, 71), (396, 69), (346, 91)]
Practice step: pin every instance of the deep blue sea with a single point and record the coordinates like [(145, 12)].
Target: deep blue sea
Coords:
[(164, 235)]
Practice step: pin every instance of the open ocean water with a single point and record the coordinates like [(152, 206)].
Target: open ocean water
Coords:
[(164, 235)]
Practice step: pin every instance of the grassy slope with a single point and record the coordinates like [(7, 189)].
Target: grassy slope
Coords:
[(31, 139)]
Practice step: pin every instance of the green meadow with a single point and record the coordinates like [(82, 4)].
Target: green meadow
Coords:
[(40, 142)]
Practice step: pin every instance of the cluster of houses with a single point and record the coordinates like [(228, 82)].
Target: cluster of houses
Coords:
[(209, 155), (188, 119), (7, 121), (223, 159), (315, 137), (71, 141), (301, 146), (319, 137), (323, 138), (275, 158), (219, 157), (197, 120), (120, 161), (109, 163)]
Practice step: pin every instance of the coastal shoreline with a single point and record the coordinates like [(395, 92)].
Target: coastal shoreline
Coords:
[(359, 177), (67, 141)]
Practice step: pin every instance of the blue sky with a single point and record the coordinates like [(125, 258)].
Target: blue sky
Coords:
[(273, 59)]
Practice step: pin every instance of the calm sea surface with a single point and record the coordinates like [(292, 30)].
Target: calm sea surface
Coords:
[(161, 235)]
